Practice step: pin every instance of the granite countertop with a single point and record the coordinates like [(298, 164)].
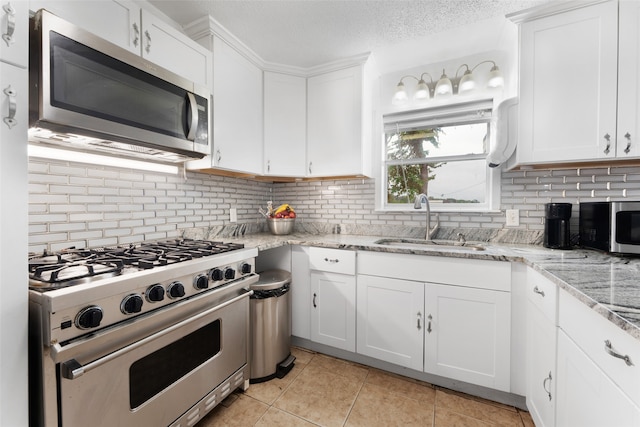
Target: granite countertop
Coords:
[(609, 285)]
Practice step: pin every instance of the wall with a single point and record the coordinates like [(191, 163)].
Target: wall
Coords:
[(78, 205)]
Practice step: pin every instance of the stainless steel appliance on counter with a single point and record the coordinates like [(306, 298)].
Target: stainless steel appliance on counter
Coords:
[(610, 226), (88, 94), (155, 334)]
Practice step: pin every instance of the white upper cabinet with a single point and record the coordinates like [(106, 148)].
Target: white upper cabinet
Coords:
[(285, 124), (14, 21), (237, 110), (334, 127), (568, 85), (125, 24)]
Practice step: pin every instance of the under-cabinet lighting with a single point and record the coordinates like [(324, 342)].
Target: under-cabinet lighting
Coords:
[(96, 159)]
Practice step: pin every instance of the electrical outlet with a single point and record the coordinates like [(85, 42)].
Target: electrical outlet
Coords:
[(233, 215), (513, 218)]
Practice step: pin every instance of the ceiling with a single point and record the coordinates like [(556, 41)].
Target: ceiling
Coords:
[(308, 33)]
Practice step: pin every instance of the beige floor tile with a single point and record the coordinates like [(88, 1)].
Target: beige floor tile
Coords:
[(340, 367), (269, 391), (526, 419), (377, 406), (302, 355), (275, 417), (410, 388), (446, 418), (320, 395), (243, 411), (465, 405)]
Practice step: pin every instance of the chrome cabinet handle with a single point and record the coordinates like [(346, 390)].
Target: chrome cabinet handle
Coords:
[(314, 300), (11, 23), (429, 324), (607, 138), (538, 291), (218, 156), (419, 318), (148, 37), (10, 120), (608, 347), (136, 34), (310, 163), (268, 166), (627, 136), (332, 261), (544, 385)]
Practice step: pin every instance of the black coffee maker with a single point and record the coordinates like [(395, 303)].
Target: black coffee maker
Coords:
[(556, 225)]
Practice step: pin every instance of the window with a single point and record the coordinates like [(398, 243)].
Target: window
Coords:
[(440, 152)]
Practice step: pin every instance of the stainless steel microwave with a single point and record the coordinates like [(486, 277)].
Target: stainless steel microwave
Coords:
[(610, 226), (88, 94)]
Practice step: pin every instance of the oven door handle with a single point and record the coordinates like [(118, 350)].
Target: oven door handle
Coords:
[(72, 369)]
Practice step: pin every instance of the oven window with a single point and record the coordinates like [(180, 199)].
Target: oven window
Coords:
[(157, 371), (628, 227)]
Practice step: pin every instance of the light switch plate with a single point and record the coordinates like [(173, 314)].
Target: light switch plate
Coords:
[(233, 215), (513, 218)]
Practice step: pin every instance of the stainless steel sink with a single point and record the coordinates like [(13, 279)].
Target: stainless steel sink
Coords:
[(420, 243)]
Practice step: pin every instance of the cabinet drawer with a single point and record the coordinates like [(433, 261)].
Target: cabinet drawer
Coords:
[(332, 260), (590, 331), (543, 294), (473, 273)]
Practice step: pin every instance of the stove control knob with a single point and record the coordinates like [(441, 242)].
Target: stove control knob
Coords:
[(175, 290), (89, 317), (229, 273), (131, 304), (201, 281), (216, 274), (246, 268), (155, 293)]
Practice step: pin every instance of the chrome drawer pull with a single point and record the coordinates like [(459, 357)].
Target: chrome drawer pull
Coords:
[(612, 352), (538, 291), (11, 23), (544, 385), (10, 120), (333, 261)]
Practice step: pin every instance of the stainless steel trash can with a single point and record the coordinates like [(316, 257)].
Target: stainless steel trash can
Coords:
[(271, 326)]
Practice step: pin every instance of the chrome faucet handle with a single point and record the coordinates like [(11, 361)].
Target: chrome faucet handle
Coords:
[(461, 240)]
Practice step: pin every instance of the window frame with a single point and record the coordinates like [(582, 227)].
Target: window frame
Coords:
[(477, 111)]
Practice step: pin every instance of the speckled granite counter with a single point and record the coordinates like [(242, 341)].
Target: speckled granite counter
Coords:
[(609, 285)]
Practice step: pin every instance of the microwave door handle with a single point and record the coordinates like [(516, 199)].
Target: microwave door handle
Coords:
[(193, 108)]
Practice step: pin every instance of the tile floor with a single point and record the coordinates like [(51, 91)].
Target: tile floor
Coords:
[(325, 391)]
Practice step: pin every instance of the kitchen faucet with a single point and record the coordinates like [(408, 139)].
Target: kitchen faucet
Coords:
[(418, 205)]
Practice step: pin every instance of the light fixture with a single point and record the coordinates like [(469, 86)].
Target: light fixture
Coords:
[(446, 87), (97, 159)]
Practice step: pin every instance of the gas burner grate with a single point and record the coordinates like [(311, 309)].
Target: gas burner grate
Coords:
[(71, 271)]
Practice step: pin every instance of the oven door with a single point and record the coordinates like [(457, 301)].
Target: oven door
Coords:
[(158, 377)]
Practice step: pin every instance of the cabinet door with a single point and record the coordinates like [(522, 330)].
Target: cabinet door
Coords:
[(568, 86), (586, 396), (285, 124), (117, 21), (334, 132), (541, 367), (333, 312), (629, 80), (237, 110), (167, 47), (300, 292), (390, 320), (467, 335), (14, 27)]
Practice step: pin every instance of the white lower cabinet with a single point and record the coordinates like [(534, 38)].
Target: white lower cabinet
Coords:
[(391, 320), (333, 315), (467, 335), (586, 395)]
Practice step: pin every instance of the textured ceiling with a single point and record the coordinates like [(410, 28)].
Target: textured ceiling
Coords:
[(307, 33)]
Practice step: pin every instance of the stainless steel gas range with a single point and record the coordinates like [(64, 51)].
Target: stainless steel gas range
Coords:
[(154, 334)]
